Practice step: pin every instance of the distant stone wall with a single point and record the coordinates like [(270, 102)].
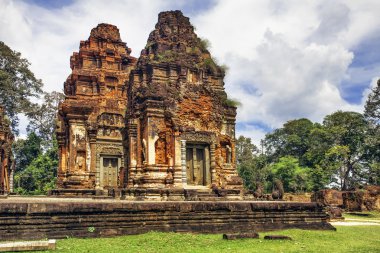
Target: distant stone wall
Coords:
[(61, 219), (328, 197), (302, 197), (366, 199)]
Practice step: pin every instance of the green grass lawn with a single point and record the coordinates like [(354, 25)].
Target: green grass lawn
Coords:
[(363, 215), (345, 239)]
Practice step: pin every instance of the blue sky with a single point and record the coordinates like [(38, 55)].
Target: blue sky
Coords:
[(286, 59)]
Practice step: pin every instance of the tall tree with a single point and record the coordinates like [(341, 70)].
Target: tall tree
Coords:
[(40, 175), (348, 131), (36, 170), (18, 85), (245, 149), (290, 140), (25, 151), (43, 118), (252, 167), (372, 114), (372, 105)]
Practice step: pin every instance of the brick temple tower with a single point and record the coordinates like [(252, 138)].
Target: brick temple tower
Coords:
[(91, 118), (160, 122), (181, 130)]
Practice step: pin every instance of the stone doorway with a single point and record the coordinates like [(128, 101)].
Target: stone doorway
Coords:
[(198, 164), (109, 171)]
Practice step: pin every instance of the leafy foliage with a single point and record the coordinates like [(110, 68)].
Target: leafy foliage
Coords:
[(372, 106), (17, 85), (346, 152), (372, 141), (232, 102), (43, 118), (294, 177), (204, 44), (343, 152), (251, 165), (35, 170), (25, 151)]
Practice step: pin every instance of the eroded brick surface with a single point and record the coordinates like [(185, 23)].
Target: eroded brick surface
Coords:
[(6, 157), (92, 117)]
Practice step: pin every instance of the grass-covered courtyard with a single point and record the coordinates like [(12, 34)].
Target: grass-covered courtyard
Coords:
[(345, 239)]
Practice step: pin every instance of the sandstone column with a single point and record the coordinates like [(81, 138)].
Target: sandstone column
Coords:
[(183, 162), (213, 165)]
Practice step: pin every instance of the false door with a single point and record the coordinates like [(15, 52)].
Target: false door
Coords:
[(197, 164), (109, 172)]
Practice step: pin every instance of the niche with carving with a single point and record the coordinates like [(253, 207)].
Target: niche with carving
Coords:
[(160, 150), (226, 152), (80, 161)]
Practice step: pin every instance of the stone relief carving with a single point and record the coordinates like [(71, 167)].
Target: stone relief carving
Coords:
[(198, 137), (110, 119), (109, 132), (80, 161), (109, 149)]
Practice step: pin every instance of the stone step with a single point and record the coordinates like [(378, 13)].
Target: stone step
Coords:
[(28, 246)]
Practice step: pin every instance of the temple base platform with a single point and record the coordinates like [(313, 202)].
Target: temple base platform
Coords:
[(54, 218)]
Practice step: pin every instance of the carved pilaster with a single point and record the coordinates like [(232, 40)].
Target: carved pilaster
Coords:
[(183, 162), (11, 187), (132, 143), (213, 164)]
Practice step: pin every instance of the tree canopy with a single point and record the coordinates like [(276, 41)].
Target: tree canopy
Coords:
[(43, 118), (18, 85), (342, 152)]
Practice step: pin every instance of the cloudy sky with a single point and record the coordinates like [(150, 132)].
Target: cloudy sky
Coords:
[(287, 59)]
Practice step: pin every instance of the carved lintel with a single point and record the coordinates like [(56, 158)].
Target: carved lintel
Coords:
[(205, 137)]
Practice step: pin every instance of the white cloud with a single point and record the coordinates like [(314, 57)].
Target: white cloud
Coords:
[(286, 59)]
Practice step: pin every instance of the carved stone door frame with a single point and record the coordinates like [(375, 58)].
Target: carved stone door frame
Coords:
[(107, 150), (203, 138), (198, 172), (102, 169)]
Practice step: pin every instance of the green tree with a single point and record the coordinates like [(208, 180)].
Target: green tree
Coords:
[(17, 84), (347, 131), (290, 140), (25, 151), (372, 105), (245, 149), (254, 172), (40, 174), (251, 166), (294, 177), (372, 142), (43, 118)]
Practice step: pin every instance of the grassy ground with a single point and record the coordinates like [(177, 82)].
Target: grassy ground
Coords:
[(363, 215), (346, 239)]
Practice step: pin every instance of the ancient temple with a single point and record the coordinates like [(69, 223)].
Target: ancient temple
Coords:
[(6, 157), (162, 121), (92, 116), (180, 131)]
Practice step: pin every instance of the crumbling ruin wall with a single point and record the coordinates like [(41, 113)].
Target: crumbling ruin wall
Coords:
[(367, 199), (328, 197), (6, 157)]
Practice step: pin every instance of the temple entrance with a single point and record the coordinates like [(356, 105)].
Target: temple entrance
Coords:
[(109, 171), (198, 164)]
